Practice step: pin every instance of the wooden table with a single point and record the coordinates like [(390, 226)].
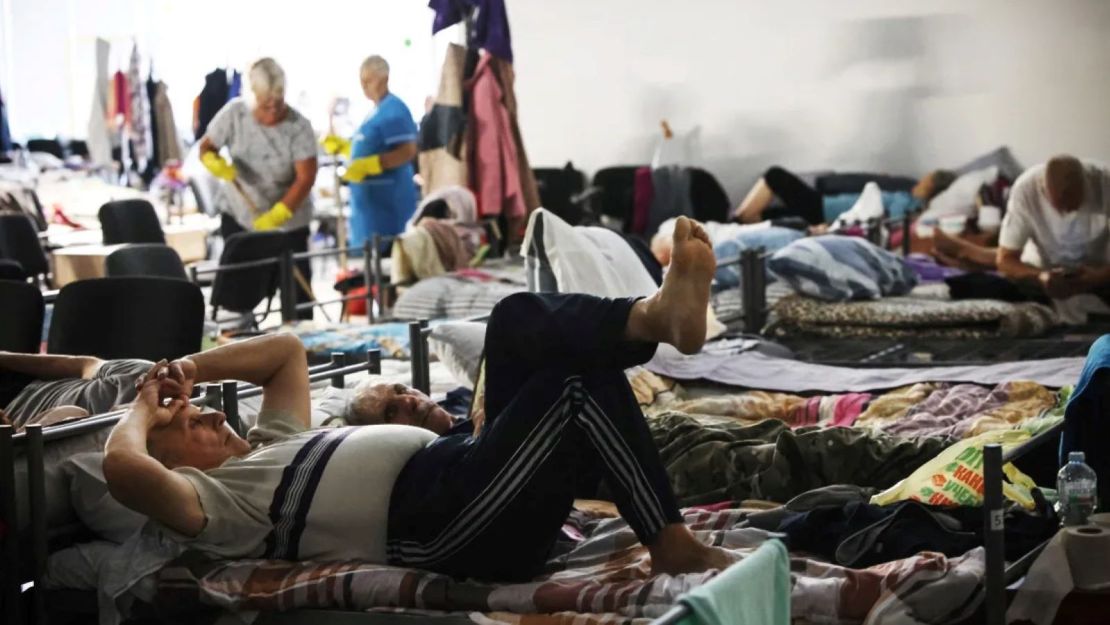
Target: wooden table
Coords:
[(82, 262)]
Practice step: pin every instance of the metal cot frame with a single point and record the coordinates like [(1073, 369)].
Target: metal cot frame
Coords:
[(30, 566), (997, 576)]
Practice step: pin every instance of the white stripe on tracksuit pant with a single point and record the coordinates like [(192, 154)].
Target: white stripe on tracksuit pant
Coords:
[(592, 421)]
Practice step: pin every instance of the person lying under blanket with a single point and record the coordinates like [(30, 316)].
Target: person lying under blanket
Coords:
[(558, 407)]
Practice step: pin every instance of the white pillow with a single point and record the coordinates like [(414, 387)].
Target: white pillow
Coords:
[(335, 403), (959, 197), (459, 345), (94, 505)]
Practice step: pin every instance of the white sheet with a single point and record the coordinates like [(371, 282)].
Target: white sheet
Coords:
[(754, 370)]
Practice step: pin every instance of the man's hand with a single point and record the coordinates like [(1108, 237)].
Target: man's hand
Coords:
[(1056, 283), (156, 401)]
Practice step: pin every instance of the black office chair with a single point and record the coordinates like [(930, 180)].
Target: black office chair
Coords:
[(50, 146), (559, 189), (130, 221), (241, 290), (20, 242), (616, 199), (145, 259), (12, 270), (150, 318), (20, 317)]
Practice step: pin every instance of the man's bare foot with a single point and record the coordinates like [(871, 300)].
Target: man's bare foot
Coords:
[(676, 312), (676, 551)]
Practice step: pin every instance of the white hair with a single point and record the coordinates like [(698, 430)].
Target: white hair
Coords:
[(267, 79), (375, 65)]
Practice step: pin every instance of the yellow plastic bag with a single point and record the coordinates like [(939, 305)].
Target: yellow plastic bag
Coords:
[(955, 476)]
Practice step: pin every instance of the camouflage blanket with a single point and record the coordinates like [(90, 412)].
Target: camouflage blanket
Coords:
[(597, 574)]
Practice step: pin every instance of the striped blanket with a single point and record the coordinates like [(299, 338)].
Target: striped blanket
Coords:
[(596, 574)]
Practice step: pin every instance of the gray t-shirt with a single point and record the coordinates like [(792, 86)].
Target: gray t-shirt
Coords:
[(264, 158), (112, 385), (303, 494)]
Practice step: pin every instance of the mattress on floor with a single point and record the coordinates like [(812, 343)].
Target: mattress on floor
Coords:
[(896, 317), (597, 573), (457, 296)]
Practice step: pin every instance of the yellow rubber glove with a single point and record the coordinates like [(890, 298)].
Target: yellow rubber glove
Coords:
[(360, 168), (334, 144), (218, 166), (273, 218)]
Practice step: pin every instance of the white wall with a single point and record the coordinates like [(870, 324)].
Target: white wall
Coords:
[(47, 65), (894, 85)]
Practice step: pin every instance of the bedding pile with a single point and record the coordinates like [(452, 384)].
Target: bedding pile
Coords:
[(598, 573), (352, 339)]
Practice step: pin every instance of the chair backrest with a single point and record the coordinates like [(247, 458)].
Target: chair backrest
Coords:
[(12, 270), (145, 259), (132, 317), (20, 242), (557, 186), (617, 186), (130, 221), (243, 289), (20, 317), (707, 197), (50, 146)]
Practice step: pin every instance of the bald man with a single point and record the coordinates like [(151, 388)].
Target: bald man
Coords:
[(1063, 208)]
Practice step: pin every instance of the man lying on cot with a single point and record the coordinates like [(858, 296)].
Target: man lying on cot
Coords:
[(50, 388), (558, 408)]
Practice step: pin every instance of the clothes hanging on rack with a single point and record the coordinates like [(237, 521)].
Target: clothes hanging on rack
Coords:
[(169, 141), (120, 98), (99, 136), (489, 29), (235, 86), (503, 70), (154, 163), (442, 132), (5, 131), (139, 127), (211, 99), (492, 157)]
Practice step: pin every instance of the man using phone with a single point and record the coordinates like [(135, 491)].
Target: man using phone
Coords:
[(1063, 208)]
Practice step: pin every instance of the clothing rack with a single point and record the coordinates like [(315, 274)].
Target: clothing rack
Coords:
[(30, 445)]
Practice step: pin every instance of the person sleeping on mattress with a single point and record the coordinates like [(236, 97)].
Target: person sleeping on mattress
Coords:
[(558, 409), (50, 388)]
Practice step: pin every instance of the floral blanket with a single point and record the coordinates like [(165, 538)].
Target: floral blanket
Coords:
[(597, 574), (898, 317)]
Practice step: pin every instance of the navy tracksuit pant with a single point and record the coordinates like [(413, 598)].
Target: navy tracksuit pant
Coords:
[(558, 409)]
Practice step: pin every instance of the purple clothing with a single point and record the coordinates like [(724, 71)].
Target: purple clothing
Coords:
[(928, 270), (491, 29)]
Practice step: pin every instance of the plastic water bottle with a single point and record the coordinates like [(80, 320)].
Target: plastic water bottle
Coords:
[(1077, 488)]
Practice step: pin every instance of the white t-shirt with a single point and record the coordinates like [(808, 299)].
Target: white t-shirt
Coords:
[(304, 495), (1080, 237)]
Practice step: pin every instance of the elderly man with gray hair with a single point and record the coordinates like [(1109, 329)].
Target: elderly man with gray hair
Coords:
[(268, 181), (383, 195)]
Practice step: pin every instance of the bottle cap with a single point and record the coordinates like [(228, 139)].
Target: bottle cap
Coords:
[(1076, 456)]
